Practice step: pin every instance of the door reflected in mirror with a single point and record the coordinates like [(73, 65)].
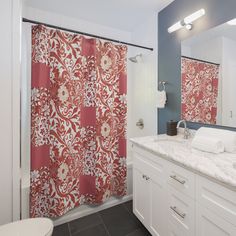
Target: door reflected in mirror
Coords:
[(208, 77)]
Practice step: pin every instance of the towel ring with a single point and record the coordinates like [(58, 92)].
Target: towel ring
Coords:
[(163, 83)]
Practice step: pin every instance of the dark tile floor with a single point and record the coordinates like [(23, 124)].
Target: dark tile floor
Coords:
[(115, 221)]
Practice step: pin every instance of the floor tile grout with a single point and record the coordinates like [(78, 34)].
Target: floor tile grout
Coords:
[(108, 233), (132, 232), (132, 214), (68, 225), (98, 222), (87, 227), (126, 208)]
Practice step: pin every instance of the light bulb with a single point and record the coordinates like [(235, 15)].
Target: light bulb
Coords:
[(175, 27), (189, 19), (187, 22), (232, 22)]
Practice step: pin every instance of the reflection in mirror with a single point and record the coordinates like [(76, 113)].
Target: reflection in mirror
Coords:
[(208, 77)]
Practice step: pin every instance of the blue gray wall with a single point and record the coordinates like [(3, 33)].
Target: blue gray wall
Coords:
[(169, 47)]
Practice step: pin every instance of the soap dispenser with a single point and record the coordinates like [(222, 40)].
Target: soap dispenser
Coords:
[(171, 129)]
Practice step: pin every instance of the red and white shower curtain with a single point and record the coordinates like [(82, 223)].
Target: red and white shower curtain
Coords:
[(78, 121), (199, 90)]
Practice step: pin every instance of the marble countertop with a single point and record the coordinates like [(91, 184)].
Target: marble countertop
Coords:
[(220, 167)]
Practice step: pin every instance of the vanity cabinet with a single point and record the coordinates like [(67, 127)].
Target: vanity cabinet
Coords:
[(173, 201)]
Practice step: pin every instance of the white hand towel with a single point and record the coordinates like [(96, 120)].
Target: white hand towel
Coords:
[(227, 137), (161, 99), (207, 144)]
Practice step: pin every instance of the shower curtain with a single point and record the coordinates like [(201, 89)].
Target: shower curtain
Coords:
[(199, 90), (78, 121)]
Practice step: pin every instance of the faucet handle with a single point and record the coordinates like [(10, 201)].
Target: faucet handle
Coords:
[(187, 133), (140, 123)]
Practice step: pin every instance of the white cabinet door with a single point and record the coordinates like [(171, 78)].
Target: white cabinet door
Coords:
[(208, 223), (141, 196), (149, 195), (157, 207)]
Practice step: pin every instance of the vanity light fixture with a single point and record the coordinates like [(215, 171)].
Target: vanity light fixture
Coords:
[(232, 22), (175, 27), (187, 22)]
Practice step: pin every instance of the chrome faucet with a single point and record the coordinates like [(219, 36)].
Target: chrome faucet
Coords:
[(186, 130)]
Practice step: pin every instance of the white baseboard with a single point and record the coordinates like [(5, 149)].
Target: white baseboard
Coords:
[(87, 210)]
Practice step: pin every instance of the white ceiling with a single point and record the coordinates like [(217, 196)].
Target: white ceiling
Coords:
[(119, 14)]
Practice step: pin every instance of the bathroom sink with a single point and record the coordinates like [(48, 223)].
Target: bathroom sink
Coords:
[(174, 145), (170, 141)]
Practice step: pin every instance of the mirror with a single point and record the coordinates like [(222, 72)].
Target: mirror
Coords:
[(208, 76)]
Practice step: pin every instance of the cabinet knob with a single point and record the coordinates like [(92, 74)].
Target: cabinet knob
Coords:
[(146, 177)]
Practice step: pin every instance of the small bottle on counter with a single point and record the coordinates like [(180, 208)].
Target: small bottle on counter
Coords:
[(171, 129)]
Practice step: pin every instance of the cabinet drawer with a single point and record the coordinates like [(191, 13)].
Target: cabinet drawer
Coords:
[(218, 199), (181, 179), (208, 223), (181, 213), (150, 169)]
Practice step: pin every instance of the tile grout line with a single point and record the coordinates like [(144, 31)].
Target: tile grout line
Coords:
[(132, 232), (126, 208), (87, 227), (68, 225), (108, 233), (131, 214)]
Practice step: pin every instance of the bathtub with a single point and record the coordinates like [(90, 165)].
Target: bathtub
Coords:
[(84, 209)]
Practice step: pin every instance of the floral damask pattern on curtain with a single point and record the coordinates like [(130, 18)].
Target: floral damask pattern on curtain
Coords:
[(199, 91), (78, 127)]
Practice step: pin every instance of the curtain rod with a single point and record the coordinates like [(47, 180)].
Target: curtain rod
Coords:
[(86, 34), (196, 59)]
